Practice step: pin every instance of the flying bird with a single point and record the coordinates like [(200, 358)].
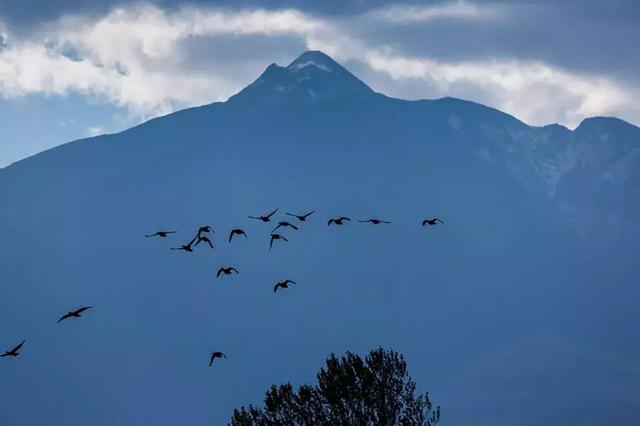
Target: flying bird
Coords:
[(227, 271), (265, 218), (186, 247), (338, 221), (284, 224), (431, 222), (75, 314), (276, 237), (215, 355), (283, 284), (374, 221), (204, 240), (161, 234), (237, 231), (14, 351), (205, 229), (302, 217)]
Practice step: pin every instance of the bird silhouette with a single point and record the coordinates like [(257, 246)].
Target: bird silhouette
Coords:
[(14, 351), (186, 247), (283, 284), (74, 314), (204, 240), (227, 271), (431, 222), (264, 218), (215, 355), (237, 231), (276, 237), (284, 224), (302, 217), (339, 220), (205, 229), (374, 221), (161, 234)]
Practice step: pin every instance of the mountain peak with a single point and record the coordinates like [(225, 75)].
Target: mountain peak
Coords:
[(311, 77), (316, 59)]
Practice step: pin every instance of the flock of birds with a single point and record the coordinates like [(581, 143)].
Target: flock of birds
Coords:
[(202, 238)]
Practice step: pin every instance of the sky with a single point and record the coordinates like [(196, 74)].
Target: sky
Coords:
[(70, 69)]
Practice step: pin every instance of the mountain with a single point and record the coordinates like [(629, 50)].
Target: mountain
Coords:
[(519, 309)]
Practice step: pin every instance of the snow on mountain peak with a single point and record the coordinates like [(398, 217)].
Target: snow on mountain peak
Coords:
[(313, 76)]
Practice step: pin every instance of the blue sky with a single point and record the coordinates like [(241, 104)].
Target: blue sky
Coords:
[(74, 68)]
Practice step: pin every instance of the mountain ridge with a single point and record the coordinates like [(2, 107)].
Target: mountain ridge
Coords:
[(276, 71)]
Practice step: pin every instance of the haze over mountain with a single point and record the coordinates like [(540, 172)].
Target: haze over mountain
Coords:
[(520, 309)]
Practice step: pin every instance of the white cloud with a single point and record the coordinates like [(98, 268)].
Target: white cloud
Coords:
[(95, 130), (420, 13), (534, 91), (138, 58)]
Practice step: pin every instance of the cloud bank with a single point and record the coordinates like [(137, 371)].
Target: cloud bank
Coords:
[(150, 61)]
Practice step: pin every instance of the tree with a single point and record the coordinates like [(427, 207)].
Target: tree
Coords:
[(350, 391)]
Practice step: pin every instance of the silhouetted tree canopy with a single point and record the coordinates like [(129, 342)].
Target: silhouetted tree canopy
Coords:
[(350, 391)]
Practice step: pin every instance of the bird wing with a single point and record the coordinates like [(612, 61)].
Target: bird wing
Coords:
[(231, 235), (345, 218), (64, 317), (271, 242), (17, 348), (424, 222), (309, 214), (192, 241), (276, 287), (293, 226), (364, 221), (211, 360), (253, 217), (151, 235), (219, 272), (331, 221), (385, 221), (283, 237), (84, 308), (272, 213), (439, 220), (274, 229), (234, 270)]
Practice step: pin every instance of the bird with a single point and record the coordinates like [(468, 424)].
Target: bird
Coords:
[(276, 237), (14, 351), (186, 247), (283, 284), (284, 224), (204, 240), (75, 314), (206, 229), (215, 355), (431, 222), (338, 221), (264, 218), (374, 221), (227, 271), (302, 217), (161, 234), (237, 231)]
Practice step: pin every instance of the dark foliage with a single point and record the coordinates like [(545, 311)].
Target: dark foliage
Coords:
[(350, 391)]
